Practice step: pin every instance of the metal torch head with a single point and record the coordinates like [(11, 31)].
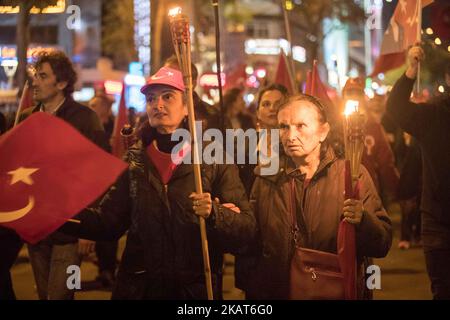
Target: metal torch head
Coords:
[(179, 26), (181, 37), (354, 136)]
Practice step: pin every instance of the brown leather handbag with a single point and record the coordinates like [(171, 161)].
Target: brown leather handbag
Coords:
[(315, 275)]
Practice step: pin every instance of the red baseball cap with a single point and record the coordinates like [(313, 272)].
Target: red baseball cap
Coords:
[(165, 76)]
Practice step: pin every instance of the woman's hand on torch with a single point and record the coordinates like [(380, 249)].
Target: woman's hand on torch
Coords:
[(353, 211), (201, 203)]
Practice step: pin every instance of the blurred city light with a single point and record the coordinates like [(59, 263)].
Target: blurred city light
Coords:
[(249, 98), (210, 80), (134, 80), (375, 85), (289, 5), (58, 8), (261, 73), (113, 87)]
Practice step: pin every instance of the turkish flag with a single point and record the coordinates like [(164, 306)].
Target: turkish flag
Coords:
[(402, 32), (315, 87), (48, 173), (118, 143), (283, 75)]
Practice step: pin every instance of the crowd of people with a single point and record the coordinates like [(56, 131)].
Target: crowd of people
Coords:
[(259, 218)]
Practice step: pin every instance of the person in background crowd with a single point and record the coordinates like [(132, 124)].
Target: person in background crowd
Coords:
[(376, 107), (268, 101), (102, 104), (106, 251), (53, 85), (269, 98), (236, 116), (429, 124), (409, 194)]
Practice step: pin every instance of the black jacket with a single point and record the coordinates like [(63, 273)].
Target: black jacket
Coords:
[(429, 123), (163, 256), (87, 123), (319, 212)]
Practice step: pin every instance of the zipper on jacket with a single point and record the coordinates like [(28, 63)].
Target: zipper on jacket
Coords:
[(166, 197), (294, 224)]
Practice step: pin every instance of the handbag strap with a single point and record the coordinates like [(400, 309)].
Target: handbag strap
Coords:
[(293, 210), (346, 246), (295, 227)]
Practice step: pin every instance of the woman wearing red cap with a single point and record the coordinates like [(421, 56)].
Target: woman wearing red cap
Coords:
[(155, 201)]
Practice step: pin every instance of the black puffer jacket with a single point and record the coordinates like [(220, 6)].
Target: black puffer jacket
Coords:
[(163, 255)]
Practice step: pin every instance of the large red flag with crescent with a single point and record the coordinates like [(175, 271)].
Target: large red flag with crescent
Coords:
[(48, 173)]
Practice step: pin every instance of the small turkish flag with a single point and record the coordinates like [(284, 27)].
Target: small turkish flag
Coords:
[(48, 173), (283, 75), (315, 87)]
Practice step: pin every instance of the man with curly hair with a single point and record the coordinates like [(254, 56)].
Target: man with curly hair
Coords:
[(53, 84)]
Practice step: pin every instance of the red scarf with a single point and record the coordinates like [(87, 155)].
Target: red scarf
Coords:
[(164, 162)]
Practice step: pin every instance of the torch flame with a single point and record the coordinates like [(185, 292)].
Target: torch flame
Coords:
[(351, 106), (174, 11)]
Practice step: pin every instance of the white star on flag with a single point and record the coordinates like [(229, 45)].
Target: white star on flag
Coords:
[(22, 174)]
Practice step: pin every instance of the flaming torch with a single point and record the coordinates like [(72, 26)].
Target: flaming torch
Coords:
[(179, 28), (354, 140), (354, 147)]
